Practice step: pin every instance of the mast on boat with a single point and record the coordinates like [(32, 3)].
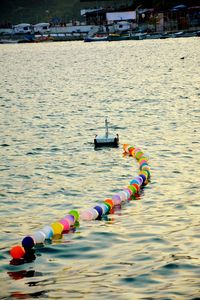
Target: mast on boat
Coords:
[(106, 140)]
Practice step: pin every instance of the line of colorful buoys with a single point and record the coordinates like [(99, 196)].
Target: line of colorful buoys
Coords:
[(57, 228)]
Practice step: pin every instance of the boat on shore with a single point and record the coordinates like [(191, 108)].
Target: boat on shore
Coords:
[(114, 37), (96, 38), (8, 41), (126, 36)]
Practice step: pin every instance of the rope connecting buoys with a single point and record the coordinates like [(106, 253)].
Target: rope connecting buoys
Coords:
[(69, 221)]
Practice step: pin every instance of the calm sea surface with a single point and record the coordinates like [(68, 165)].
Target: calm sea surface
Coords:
[(54, 98)]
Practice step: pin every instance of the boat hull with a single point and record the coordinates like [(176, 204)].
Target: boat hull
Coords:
[(106, 142), (96, 39)]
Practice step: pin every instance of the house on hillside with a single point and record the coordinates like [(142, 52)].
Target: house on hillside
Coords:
[(182, 18), (179, 17)]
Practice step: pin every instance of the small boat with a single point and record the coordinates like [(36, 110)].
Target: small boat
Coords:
[(126, 36), (8, 41), (106, 140), (96, 38), (118, 37), (43, 38)]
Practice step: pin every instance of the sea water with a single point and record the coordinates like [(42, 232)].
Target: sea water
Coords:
[(54, 98)]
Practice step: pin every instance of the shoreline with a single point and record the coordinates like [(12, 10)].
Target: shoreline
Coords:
[(60, 37)]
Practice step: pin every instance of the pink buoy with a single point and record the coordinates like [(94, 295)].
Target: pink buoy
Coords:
[(65, 223), (87, 215)]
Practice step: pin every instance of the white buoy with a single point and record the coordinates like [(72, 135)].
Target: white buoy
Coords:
[(107, 140)]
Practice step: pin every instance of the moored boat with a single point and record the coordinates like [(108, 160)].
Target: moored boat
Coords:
[(8, 41), (106, 140), (96, 38)]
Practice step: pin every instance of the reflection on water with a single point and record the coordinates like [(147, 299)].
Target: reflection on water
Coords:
[(23, 273), (54, 99)]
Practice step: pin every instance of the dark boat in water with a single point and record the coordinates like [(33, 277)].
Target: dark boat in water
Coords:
[(106, 140)]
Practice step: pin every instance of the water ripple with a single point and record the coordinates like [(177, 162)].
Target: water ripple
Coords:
[(146, 249)]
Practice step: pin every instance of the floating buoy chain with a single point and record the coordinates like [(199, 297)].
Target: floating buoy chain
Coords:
[(69, 221)]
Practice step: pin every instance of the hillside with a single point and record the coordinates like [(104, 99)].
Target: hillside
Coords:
[(35, 11)]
